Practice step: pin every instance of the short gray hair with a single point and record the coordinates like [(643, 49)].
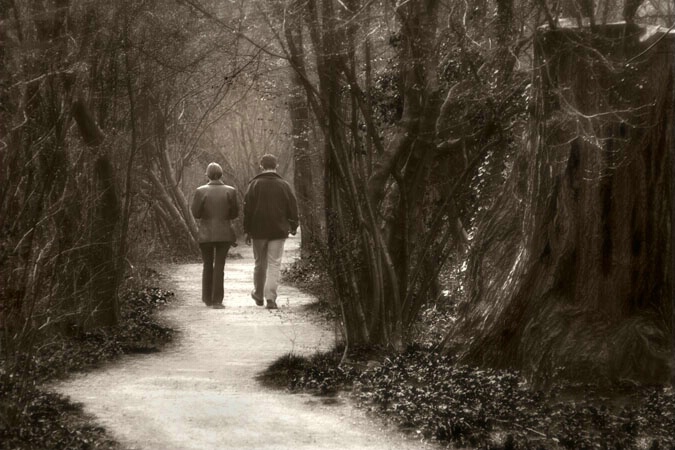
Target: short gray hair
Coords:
[(214, 171)]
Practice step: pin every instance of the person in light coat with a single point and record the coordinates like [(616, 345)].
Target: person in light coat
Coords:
[(215, 205)]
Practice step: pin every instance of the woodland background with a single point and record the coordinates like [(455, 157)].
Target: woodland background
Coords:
[(511, 156)]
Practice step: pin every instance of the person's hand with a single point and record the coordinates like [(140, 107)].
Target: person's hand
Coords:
[(247, 239)]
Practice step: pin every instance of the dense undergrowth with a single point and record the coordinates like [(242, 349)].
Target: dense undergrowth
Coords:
[(429, 395), (31, 417)]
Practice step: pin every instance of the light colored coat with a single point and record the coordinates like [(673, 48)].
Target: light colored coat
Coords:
[(215, 205)]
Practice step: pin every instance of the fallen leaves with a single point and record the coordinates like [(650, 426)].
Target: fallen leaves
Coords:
[(31, 418), (430, 395)]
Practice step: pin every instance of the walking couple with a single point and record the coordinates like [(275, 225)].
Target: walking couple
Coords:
[(270, 214)]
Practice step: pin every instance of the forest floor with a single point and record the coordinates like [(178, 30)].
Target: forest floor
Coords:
[(224, 382)]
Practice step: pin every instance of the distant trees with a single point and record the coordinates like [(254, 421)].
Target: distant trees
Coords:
[(103, 106), (182, 75), (257, 119), (258, 124)]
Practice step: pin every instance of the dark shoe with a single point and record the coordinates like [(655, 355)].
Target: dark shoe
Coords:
[(271, 304), (258, 301), (217, 306)]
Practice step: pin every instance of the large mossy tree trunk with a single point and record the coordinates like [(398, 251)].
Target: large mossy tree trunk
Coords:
[(571, 273)]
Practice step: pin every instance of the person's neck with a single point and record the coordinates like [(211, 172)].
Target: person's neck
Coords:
[(269, 170)]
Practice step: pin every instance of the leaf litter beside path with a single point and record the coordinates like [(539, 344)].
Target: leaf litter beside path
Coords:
[(33, 418), (431, 396), (427, 394)]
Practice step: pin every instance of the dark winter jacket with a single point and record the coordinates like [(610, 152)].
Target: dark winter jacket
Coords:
[(215, 205), (270, 207)]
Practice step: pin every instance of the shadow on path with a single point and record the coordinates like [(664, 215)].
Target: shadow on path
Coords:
[(201, 392)]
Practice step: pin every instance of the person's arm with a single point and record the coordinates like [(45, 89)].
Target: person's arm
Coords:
[(248, 208), (234, 205), (292, 211), (197, 202)]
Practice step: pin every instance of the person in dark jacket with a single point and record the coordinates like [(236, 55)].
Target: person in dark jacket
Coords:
[(214, 205), (270, 213)]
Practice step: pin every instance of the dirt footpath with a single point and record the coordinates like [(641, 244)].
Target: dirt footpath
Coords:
[(201, 393)]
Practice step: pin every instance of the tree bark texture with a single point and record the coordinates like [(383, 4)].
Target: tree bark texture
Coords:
[(298, 107), (59, 203), (162, 174), (571, 274), (377, 184), (101, 251)]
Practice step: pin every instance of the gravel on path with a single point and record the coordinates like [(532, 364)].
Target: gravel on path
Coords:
[(201, 392)]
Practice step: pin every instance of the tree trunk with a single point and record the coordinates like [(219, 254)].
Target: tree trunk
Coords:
[(370, 268), (302, 156), (169, 175), (672, 239), (572, 272), (105, 305), (160, 172)]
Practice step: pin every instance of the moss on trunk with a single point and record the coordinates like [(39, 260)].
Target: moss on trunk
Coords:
[(572, 275)]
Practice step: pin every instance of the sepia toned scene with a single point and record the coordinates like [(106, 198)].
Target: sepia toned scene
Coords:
[(337, 224)]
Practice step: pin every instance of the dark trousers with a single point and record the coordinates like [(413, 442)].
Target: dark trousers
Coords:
[(213, 256)]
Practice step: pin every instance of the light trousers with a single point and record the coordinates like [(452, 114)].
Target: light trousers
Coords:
[(267, 254)]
